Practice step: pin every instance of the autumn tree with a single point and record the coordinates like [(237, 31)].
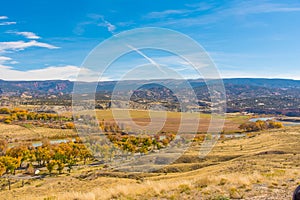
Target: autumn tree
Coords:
[(11, 164), (4, 111), (3, 147), (260, 125), (21, 152), (2, 168), (50, 166)]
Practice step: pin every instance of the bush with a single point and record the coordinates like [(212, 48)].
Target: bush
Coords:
[(4, 111), (221, 198), (70, 125), (260, 125), (7, 121)]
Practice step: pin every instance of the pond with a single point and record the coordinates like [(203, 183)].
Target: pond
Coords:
[(235, 135), (261, 119), (285, 123), (39, 142)]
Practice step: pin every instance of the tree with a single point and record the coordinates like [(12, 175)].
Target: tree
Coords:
[(50, 166), (7, 120), (260, 125), (10, 163), (2, 168), (43, 155), (4, 111), (272, 124), (84, 153), (60, 166), (3, 147), (21, 152)]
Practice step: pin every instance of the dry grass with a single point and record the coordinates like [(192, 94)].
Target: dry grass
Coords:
[(267, 167), (15, 133), (142, 118), (265, 164)]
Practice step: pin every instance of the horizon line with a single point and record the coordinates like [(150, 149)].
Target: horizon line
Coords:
[(70, 80)]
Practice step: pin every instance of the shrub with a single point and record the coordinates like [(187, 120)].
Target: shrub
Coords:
[(7, 121), (4, 111), (70, 125), (260, 125), (221, 198)]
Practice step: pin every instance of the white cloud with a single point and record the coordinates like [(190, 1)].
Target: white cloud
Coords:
[(68, 72), (4, 59), (3, 17), (258, 74), (166, 13), (192, 8), (7, 23), (13, 62), (110, 27), (28, 35), (21, 45), (104, 23), (234, 8), (249, 7), (95, 19)]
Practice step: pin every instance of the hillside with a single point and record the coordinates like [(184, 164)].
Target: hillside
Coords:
[(269, 96), (261, 166)]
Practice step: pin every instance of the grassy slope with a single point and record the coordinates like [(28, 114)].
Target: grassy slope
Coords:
[(18, 133), (262, 167)]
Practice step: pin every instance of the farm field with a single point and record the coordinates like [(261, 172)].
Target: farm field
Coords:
[(15, 133), (142, 118)]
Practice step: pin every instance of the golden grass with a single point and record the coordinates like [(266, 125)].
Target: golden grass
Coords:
[(266, 163), (19, 133), (142, 118), (266, 167)]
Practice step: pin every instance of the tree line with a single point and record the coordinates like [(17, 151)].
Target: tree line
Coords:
[(51, 156), (260, 125), (22, 116)]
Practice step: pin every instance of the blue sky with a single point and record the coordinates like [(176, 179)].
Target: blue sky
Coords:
[(50, 39)]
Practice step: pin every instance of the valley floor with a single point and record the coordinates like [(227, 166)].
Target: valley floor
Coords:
[(263, 166)]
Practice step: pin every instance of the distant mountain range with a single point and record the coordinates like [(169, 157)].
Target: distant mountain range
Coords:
[(65, 86), (280, 96)]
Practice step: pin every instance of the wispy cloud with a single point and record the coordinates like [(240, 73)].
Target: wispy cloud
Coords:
[(21, 45), (166, 13), (189, 10), (3, 17), (28, 35), (186, 17), (258, 74), (110, 27), (67, 72), (95, 19), (7, 23), (256, 7), (4, 59)]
